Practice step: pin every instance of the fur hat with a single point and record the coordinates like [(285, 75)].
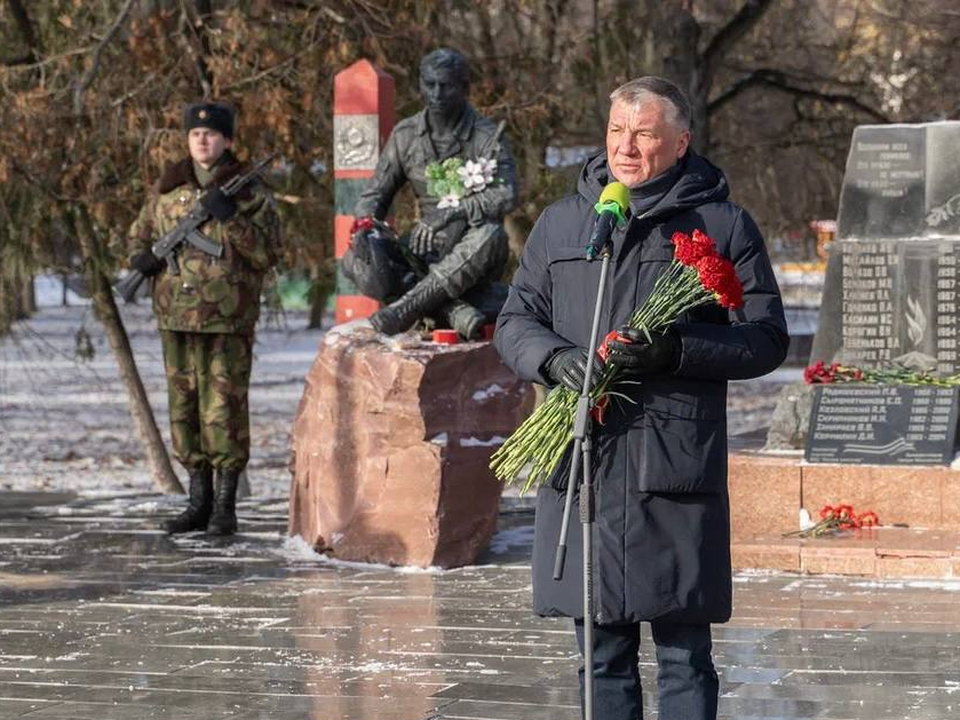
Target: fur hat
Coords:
[(215, 116)]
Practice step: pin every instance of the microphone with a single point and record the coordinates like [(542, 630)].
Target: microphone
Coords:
[(614, 200)]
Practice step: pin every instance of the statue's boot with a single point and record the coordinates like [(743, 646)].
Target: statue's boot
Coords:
[(422, 299), (223, 521), (464, 318), (200, 505)]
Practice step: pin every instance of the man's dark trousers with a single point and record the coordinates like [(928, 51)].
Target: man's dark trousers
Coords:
[(687, 682)]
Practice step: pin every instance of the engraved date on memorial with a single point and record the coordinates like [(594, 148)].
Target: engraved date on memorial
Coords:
[(883, 425)]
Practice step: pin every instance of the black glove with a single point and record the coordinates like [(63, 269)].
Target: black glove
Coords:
[(222, 207), (569, 367), (658, 355), (147, 263)]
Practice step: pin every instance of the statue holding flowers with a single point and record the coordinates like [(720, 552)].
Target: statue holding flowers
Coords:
[(463, 176)]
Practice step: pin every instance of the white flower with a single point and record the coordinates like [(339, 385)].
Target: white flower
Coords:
[(472, 174), (488, 166), (448, 201)]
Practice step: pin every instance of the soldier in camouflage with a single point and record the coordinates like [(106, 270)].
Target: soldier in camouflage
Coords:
[(207, 313), (464, 247)]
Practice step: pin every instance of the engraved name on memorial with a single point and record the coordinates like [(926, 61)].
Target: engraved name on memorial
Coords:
[(883, 425), (898, 229)]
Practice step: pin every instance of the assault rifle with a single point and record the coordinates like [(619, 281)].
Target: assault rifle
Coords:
[(187, 230)]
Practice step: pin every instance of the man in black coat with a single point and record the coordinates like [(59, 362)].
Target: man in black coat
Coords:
[(662, 535)]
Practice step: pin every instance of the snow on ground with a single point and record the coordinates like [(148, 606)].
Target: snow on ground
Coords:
[(65, 423)]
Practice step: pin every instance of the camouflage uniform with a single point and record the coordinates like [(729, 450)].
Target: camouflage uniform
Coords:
[(207, 313)]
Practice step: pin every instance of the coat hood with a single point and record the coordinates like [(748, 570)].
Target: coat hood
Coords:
[(699, 182)]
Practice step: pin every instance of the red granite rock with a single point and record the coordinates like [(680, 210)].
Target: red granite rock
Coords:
[(390, 448)]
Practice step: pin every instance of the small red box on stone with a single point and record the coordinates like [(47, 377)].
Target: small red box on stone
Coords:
[(446, 337)]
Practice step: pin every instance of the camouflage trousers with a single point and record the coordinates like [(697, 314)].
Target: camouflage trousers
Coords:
[(208, 378)]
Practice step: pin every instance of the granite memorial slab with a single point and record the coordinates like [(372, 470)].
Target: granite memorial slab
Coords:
[(890, 296), (882, 425)]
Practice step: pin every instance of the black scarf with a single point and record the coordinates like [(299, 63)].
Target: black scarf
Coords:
[(645, 196)]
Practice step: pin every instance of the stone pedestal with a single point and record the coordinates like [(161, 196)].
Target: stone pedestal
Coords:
[(918, 506), (391, 444)]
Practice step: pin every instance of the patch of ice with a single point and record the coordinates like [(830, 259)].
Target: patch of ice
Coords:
[(298, 550), (76, 655), (172, 592), (955, 465), (481, 395), (495, 441), (945, 585), (347, 328)]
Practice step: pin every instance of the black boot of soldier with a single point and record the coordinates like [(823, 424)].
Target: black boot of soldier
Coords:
[(464, 318), (224, 518), (198, 510), (422, 299)]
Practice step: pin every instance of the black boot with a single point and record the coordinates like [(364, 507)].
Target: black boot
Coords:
[(198, 510), (422, 299), (224, 518), (464, 318)]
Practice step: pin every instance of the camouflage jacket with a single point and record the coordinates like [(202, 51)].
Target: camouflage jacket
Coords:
[(410, 149), (217, 295)]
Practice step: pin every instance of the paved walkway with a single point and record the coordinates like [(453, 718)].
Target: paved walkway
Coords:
[(103, 617)]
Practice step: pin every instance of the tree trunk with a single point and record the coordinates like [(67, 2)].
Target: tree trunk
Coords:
[(319, 294), (140, 409), (28, 298)]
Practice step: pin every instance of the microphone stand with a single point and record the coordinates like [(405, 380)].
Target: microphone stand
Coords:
[(582, 456)]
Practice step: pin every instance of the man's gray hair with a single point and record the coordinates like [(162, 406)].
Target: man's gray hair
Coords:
[(644, 89)]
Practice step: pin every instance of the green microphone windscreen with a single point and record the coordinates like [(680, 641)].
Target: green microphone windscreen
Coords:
[(616, 192)]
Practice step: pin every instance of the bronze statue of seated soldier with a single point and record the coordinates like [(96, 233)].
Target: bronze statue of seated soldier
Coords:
[(449, 266)]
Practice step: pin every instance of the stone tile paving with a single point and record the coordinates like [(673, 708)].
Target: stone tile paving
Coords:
[(103, 617)]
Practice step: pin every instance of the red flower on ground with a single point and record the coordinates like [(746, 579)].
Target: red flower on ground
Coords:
[(844, 511), (869, 519)]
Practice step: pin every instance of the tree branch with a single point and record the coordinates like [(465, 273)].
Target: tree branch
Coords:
[(91, 73), (721, 43), (780, 81)]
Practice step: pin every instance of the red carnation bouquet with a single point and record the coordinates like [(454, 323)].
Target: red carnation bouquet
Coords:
[(696, 276), (835, 518)]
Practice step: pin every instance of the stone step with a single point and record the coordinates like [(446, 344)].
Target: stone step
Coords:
[(884, 552), (919, 508), (767, 491)]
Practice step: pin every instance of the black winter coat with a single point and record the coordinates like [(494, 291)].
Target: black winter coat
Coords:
[(662, 537)]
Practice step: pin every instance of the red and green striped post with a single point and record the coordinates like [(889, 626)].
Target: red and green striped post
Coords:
[(363, 116)]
